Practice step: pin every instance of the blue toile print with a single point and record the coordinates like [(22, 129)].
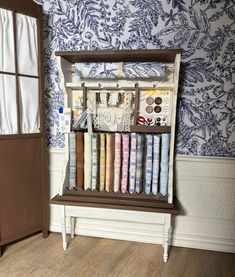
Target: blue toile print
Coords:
[(205, 30)]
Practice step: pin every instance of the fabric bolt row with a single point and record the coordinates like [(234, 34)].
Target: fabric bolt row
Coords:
[(121, 162)]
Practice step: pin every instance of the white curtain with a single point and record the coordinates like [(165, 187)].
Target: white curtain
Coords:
[(7, 59), (29, 105), (27, 55), (8, 106), (27, 45)]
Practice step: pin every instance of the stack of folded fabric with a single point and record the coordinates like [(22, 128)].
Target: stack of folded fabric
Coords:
[(122, 162)]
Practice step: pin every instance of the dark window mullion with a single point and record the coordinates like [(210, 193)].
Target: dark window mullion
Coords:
[(16, 74), (40, 72), (19, 74)]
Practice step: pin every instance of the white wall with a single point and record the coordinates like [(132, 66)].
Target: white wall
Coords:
[(205, 188)]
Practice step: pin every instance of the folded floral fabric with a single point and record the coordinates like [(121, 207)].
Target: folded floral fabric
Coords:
[(117, 162), (94, 162), (164, 164), (139, 162), (156, 163), (119, 70), (109, 162), (125, 162), (87, 161), (80, 159), (132, 168), (102, 161), (148, 163)]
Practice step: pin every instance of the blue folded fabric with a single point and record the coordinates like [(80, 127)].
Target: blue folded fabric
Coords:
[(164, 163)]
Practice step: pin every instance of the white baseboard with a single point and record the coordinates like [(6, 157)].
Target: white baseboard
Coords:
[(206, 190)]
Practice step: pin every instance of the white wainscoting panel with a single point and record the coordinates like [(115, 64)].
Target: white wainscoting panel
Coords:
[(205, 187)]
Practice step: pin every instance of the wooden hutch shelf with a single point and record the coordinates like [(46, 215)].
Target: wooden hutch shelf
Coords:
[(144, 110)]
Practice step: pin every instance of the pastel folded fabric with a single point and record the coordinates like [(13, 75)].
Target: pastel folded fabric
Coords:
[(80, 159), (156, 163), (132, 168), (125, 162), (164, 164), (102, 161), (109, 162), (72, 159), (139, 162), (94, 162), (117, 162), (87, 161), (148, 163)]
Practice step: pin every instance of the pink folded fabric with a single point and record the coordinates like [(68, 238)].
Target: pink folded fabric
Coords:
[(109, 162), (117, 162)]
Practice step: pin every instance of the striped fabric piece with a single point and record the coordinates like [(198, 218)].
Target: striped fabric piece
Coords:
[(164, 164), (87, 161), (102, 161), (72, 159), (139, 162), (148, 163), (117, 162), (109, 162), (156, 163), (132, 168), (125, 162), (94, 163)]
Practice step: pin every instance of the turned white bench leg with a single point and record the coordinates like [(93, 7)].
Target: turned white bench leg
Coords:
[(63, 227), (166, 237), (72, 228), (166, 245)]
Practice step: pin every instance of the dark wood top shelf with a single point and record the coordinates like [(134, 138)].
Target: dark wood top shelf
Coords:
[(144, 55)]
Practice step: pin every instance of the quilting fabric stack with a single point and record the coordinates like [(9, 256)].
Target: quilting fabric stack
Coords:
[(87, 161), (164, 164), (120, 162), (72, 159), (94, 162), (102, 161), (156, 165), (80, 159), (117, 162), (109, 162), (125, 162)]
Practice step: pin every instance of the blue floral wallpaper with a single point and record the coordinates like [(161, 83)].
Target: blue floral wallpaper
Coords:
[(204, 29)]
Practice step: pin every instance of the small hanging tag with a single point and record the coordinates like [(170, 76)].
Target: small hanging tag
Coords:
[(64, 120)]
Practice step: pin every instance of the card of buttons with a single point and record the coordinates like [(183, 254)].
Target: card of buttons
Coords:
[(154, 104)]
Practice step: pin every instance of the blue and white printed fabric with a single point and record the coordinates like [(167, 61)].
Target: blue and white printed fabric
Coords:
[(139, 162), (164, 163), (132, 169), (120, 70), (156, 163), (149, 164)]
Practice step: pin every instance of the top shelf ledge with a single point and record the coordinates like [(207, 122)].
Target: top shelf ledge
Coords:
[(145, 55)]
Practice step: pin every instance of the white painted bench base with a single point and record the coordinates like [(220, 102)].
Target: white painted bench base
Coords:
[(70, 213)]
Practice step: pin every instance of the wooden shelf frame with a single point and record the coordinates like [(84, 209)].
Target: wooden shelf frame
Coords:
[(120, 201)]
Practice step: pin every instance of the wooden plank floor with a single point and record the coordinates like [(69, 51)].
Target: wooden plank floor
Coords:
[(95, 257)]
